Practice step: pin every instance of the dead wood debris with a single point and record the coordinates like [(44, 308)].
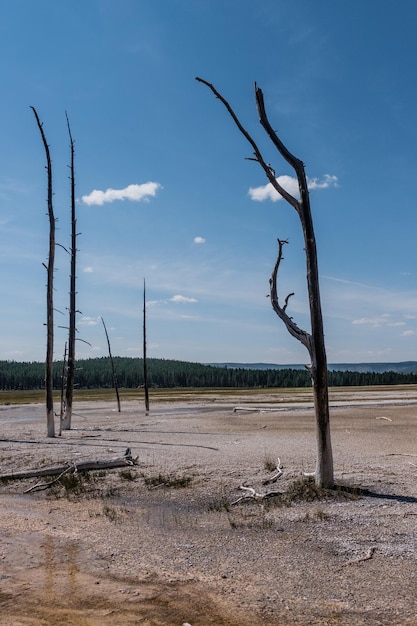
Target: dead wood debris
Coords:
[(87, 466), (252, 494), (369, 554)]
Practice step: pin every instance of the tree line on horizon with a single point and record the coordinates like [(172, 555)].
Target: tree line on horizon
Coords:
[(98, 373)]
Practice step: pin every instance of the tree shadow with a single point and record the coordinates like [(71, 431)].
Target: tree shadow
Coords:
[(368, 493)]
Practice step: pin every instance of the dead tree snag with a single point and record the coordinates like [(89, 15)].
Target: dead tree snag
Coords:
[(145, 358), (49, 291), (70, 378), (113, 369), (314, 340)]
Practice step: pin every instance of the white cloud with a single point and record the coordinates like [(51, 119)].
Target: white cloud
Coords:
[(88, 270), (408, 333), (199, 240), (89, 321), (378, 320), (136, 193), (179, 298), (290, 184), (329, 180)]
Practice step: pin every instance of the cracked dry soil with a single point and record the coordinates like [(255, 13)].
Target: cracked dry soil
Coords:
[(161, 544)]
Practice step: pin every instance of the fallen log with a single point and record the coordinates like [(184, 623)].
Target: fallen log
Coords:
[(85, 466)]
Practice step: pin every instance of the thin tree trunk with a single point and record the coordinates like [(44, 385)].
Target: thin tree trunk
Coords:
[(64, 367), (112, 367), (145, 362), (324, 474), (69, 393), (49, 291)]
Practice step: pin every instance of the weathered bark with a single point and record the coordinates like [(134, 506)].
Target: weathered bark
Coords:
[(112, 367), (49, 291), (314, 341), (86, 466), (145, 362), (316, 346), (69, 391), (63, 376)]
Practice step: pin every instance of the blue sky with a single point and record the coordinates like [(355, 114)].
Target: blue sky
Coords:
[(164, 191)]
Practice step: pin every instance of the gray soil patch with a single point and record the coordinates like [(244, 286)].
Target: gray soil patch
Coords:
[(161, 543)]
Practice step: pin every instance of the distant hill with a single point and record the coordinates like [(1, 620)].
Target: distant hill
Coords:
[(403, 367)]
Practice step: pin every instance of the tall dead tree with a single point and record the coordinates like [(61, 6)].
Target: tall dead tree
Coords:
[(70, 378), (145, 359), (113, 369), (313, 341), (49, 388), (63, 379)]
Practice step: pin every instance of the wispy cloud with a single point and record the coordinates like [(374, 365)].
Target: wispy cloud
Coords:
[(177, 299), (199, 240), (181, 299), (377, 321), (89, 321), (135, 193), (290, 184)]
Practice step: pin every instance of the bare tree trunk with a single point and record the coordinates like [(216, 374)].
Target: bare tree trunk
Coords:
[(69, 393), (324, 474), (314, 342), (145, 362), (49, 292), (64, 367), (112, 367)]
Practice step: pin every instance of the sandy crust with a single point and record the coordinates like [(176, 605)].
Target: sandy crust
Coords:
[(127, 552)]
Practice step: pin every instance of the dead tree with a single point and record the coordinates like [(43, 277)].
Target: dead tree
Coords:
[(49, 291), (69, 390), (63, 378), (313, 341), (112, 367), (145, 360)]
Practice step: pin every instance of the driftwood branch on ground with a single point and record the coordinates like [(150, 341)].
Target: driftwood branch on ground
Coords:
[(251, 494), (86, 466), (369, 554)]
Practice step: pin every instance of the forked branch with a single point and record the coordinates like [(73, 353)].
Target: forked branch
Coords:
[(258, 156), (251, 494), (281, 311)]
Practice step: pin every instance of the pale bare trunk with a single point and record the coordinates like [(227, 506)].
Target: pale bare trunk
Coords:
[(66, 420), (49, 389)]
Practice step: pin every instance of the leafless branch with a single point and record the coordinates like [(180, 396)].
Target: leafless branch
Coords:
[(278, 473), (258, 156), (291, 326)]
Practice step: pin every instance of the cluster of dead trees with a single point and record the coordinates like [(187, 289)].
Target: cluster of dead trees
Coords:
[(68, 371), (313, 340)]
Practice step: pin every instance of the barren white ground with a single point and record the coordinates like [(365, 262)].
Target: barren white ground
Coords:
[(127, 552)]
